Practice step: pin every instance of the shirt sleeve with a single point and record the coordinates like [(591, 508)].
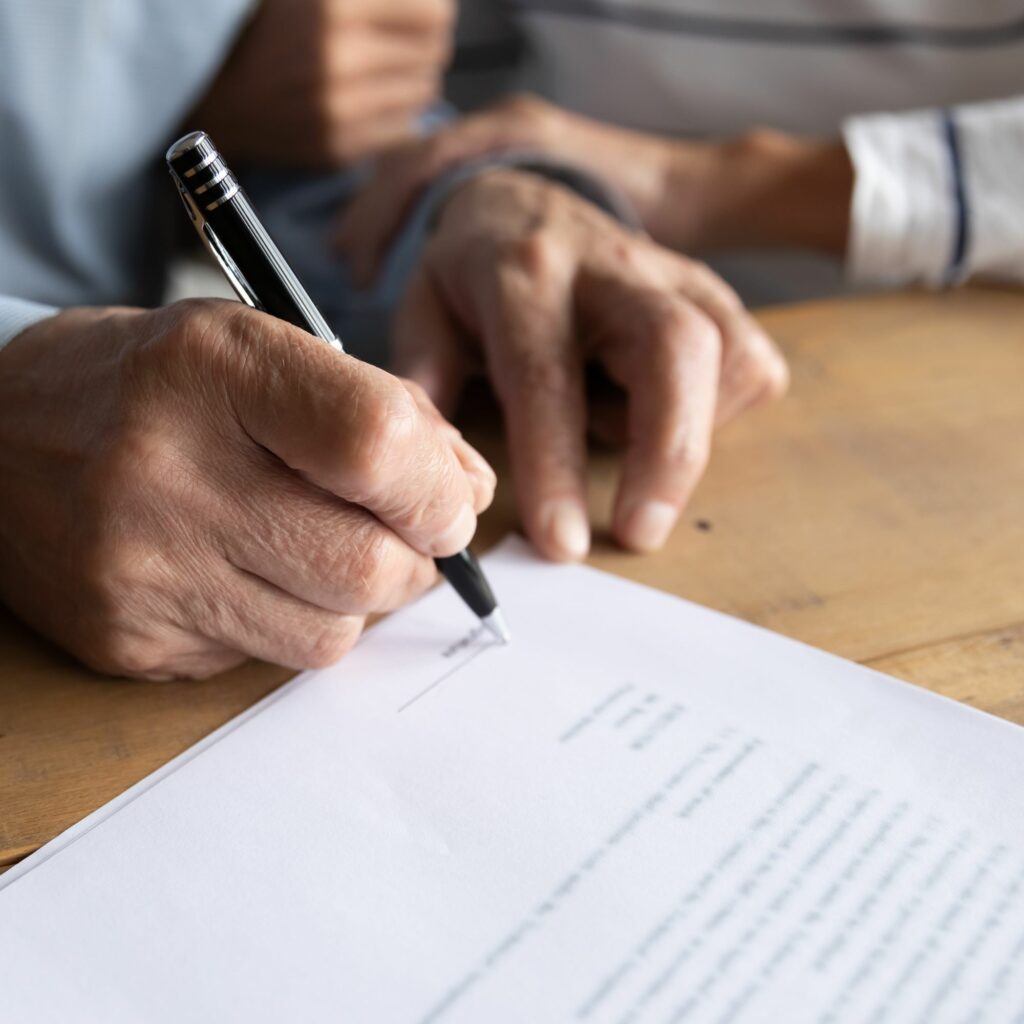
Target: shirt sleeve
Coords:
[(18, 314), (91, 94), (938, 195)]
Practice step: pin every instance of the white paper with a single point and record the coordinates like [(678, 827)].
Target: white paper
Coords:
[(640, 811)]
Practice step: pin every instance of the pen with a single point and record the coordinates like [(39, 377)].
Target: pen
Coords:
[(229, 227)]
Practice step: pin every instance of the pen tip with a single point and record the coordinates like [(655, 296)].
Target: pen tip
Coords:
[(495, 623)]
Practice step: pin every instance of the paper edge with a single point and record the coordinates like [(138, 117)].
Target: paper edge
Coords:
[(94, 819), (512, 544)]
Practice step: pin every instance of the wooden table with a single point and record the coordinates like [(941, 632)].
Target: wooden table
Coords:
[(878, 513)]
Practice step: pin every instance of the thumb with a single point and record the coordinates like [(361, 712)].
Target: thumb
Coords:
[(428, 345)]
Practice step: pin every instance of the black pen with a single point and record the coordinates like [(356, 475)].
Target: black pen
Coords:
[(229, 227)]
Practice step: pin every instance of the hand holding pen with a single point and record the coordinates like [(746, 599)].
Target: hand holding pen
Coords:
[(218, 485), (231, 229)]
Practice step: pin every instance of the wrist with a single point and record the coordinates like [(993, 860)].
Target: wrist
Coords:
[(763, 189)]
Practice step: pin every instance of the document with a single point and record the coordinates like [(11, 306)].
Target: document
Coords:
[(640, 811)]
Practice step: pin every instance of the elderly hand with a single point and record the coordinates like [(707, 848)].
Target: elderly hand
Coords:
[(186, 487), (327, 82), (762, 189), (535, 283)]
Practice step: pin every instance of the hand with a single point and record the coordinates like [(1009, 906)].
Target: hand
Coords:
[(762, 189), (183, 488), (327, 82), (535, 283)]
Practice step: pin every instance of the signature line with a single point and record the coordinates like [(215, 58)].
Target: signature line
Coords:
[(437, 682)]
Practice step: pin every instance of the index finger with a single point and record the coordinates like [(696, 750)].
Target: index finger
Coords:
[(351, 429)]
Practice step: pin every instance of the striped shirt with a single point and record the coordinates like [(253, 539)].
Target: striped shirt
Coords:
[(928, 94)]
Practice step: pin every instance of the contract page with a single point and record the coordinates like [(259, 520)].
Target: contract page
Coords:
[(639, 811)]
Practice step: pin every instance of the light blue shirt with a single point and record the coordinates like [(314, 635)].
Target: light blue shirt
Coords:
[(92, 92)]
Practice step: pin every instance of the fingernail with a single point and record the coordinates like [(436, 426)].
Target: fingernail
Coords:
[(458, 535), (567, 529), (649, 525)]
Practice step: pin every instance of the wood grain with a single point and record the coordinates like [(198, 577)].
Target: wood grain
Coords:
[(878, 513)]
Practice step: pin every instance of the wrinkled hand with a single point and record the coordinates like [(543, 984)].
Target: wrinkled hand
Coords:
[(760, 189), (534, 282), (327, 82), (183, 488), (633, 162)]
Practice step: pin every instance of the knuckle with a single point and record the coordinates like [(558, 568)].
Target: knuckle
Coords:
[(627, 252), (679, 324), (329, 643), (388, 416), (776, 374), (686, 456), (537, 253), (140, 466), (729, 297), (363, 566), (439, 504), (191, 338), (200, 326), (717, 287), (699, 268), (108, 576), (690, 454), (763, 368), (417, 391), (114, 650), (534, 372)]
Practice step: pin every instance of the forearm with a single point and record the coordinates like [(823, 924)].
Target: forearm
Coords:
[(763, 190), (932, 197)]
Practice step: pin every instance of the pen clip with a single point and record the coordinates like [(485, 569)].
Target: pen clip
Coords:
[(214, 247)]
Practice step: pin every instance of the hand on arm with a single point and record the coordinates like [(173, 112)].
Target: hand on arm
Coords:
[(762, 189), (183, 488), (321, 83), (533, 283)]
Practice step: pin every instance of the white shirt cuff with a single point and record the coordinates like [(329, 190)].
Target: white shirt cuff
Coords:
[(938, 195), (902, 220), (992, 144), (18, 314)]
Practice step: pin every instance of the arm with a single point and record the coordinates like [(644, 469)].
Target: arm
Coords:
[(931, 197), (928, 196), (692, 197), (185, 487)]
